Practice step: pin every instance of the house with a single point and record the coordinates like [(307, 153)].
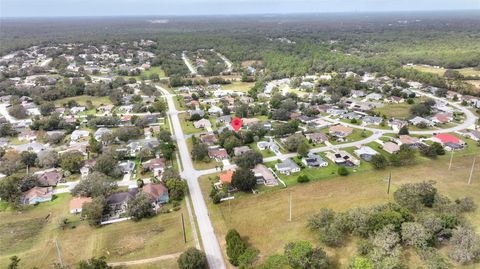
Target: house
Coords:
[(313, 160), (34, 147), (365, 152), (226, 177), (116, 203), (87, 168), (126, 166), (391, 147), (264, 175), (287, 167), (77, 109), (317, 138), (441, 118), (249, 121), (215, 110), (421, 121), (396, 124), (78, 134), (352, 116), (151, 130), (409, 141), (100, 132), (157, 166), (450, 142), (336, 112), (201, 113), (395, 100), (319, 123), (340, 130), (472, 134), (237, 151), (158, 193), (218, 154), (372, 120), (37, 195), (49, 178), (76, 204), (343, 158), (374, 96), (224, 119), (209, 139), (357, 93), (203, 123)]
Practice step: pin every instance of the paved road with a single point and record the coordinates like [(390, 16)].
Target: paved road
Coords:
[(209, 240), (187, 62)]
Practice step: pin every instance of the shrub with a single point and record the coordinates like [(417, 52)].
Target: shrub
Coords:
[(343, 171), (303, 179)]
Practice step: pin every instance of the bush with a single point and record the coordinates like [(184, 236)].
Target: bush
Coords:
[(343, 171), (235, 246), (303, 179)]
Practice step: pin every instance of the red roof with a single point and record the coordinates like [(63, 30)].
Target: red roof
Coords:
[(446, 138), (226, 177)]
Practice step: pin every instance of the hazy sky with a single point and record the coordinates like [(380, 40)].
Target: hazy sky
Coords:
[(47, 8)]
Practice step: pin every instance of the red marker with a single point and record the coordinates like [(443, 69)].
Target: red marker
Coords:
[(236, 124)]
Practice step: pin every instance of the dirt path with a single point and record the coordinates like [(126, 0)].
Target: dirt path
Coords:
[(149, 260)]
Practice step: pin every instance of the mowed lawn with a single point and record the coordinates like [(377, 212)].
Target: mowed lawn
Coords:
[(262, 219), (239, 86), (399, 111), (31, 236), (82, 100), (468, 71)]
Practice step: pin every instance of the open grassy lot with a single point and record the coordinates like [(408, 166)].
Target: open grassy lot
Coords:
[(262, 219), (82, 100), (440, 71), (167, 264), (239, 86), (31, 235), (399, 111)]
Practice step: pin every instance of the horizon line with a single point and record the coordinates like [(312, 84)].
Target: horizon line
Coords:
[(246, 14)]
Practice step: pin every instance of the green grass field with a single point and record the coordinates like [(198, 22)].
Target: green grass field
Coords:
[(31, 236), (440, 71), (398, 111), (239, 86), (82, 99), (263, 218)]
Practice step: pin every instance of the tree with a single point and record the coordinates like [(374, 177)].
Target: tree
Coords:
[(71, 161), (127, 132), (343, 171), (235, 246), (249, 159), (415, 196), (18, 112), (275, 261), (107, 164), (405, 156), (465, 245), (244, 179), (386, 248), (248, 257), (165, 136), (93, 211), (404, 130), (93, 145), (6, 129), (47, 108), (140, 207), (94, 263), (301, 254), (379, 161), (28, 158), (177, 189), (14, 261), (199, 151), (302, 149), (433, 150), (360, 263), (192, 258), (9, 190), (96, 184)]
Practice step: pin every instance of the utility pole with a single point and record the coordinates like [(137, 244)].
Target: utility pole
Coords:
[(183, 227), (471, 172), (451, 159), (290, 207), (389, 182)]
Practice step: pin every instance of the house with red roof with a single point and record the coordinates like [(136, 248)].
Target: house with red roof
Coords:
[(226, 177), (449, 142), (441, 118)]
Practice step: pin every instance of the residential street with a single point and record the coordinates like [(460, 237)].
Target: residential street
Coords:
[(209, 240)]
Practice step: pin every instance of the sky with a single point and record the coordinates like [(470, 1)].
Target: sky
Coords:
[(67, 8)]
